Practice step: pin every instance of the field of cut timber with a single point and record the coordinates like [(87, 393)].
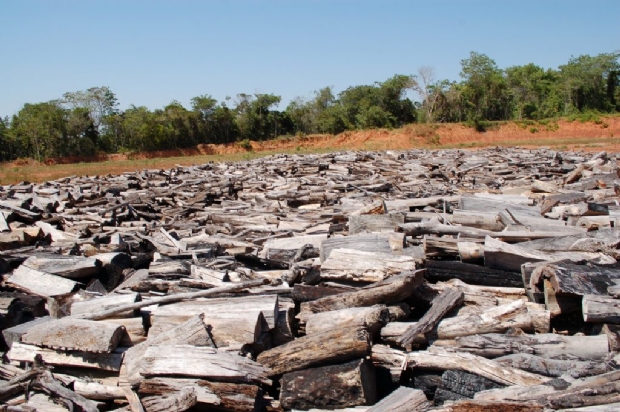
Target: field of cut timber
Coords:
[(400, 280)]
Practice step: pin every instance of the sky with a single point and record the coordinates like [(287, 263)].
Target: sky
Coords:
[(151, 52)]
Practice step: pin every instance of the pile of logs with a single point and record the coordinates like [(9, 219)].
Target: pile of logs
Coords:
[(395, 281)]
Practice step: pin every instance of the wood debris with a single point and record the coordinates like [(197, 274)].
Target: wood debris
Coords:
[(421, 280)]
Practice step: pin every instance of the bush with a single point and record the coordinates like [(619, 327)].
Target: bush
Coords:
[(245, 144)]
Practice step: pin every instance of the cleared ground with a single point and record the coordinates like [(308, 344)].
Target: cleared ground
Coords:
[(603, 134)]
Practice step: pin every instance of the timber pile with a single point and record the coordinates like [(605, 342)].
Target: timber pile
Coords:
[(395, 281)]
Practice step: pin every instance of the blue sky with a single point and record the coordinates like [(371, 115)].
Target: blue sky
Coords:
[(151, 52)]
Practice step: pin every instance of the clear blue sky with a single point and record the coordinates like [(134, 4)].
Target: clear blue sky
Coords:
[(151, 52)]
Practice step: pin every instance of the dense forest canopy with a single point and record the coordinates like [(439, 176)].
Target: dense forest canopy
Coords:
[(86, 122)]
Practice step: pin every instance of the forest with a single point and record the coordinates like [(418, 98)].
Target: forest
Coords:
[(85, 123)]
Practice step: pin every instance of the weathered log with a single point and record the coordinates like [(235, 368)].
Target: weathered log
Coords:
[(438, 270), (546, 345), (387, 291), (439, 358), (307, 293), (402, 399), (176, 402), (464, 384), (201, 362), (441, 305), (104, 361), (378, 243), (40, 283), (374, 223), (166, 386), (322, 348), (72, 267), (75, 334), (107, 302), (574, 279), (15, 333), (362, 266), (601, 309), (336, 386), (372, 318), (475, 405), (553, 367)]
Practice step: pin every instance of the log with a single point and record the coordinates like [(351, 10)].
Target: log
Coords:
[(553, 367), (337, 386), (378, 243), (191, 332), (76, 335), (321, 348), (104, 361), (360, 266), (439, 358), (438, 270), (475, 405), (372, 318), (307, 293), (110, 301), (175, 402), (97, 391), (402, 399), (201, 362), (15, 333), (465, 384), (134, 330), (600, 309), (71, 267), (546, 345), (48, 384), (441, 305), (387, 291), (374, 223), (569, 278), (40, 283), (166, 386)]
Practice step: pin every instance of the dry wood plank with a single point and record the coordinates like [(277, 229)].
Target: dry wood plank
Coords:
[(201, 362), (440, 306), (97, 391), (71, 267), (322, 348), (469, 405), (336, 386)]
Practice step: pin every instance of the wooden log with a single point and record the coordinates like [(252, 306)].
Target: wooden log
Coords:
[(471, 274), (175, 298), (469, 405), (322, 348), (15, 333), (307, 293), (109, 301), (574, 279), (372, 318), (600, 309), (47, 383), (402, 399), (134, 330), (175, 402), (191, 332), (464, 384), (374, 223), (26, 353), (201, 362), (71, 267), (439, 358), (40, 283), (360, 266), (378, 243), (284, 330), (165, 386), (97, 391), (558, 304), (387, 291), (232, 320), (336, 386), (19, 237), (553, 367), (546, 345), (76, 335), (440, 306)]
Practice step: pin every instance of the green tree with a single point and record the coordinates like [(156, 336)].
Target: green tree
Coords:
[(40, 130), (484, 88)]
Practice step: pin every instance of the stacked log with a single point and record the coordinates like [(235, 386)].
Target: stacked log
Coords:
[(418, 280)]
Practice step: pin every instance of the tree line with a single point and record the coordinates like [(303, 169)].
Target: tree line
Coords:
[(88, 122)]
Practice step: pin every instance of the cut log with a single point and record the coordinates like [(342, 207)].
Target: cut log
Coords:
[(134, 331), (167, 386), (441, 305), (191, 332), (71, 267), (201, 362), (469, 405), (109, 301), (322, 348), (387, 291), (104, 361), (439, 358), (570, 278), (97, 391), (402, 399), (337, 386), (374, 223), (307, 293), (76, 335), (546, 345), (377, 243), (437, 270), (361, 266), (40, 283), (601, 309), (465, 384), (553, 367), (175, 402), (372, 318), (15, 333)]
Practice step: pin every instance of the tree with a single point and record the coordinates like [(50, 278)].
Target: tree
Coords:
[(99, 101), (39, 129), (484, 88), (428, 90)]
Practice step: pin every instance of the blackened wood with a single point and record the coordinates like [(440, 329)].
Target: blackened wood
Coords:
[(438, 270)]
